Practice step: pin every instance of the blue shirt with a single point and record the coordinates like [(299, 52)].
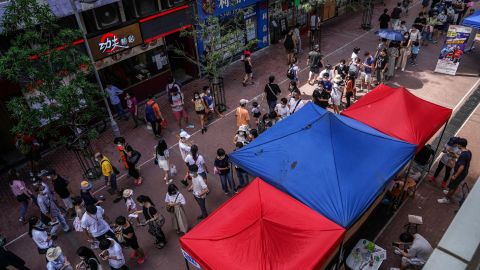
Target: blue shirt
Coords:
[(113, 93), (369, 61), (415, 49)]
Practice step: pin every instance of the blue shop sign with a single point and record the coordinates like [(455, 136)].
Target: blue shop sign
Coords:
[(218, 7)]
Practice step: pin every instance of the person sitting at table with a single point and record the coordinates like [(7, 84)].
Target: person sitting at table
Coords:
[(417, 255)]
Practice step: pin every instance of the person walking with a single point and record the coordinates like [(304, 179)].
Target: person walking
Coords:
[(121, 143), (62, 188), (153, 220), (154, 116), (132, 107), (133, 156), (112, 251), (384, 19), (405, 51), (282, 109), (38, 232), (130, 204), (177, 103), (162, 157), (109, 172), (85, 195), (450, 152), (381, 66), (272, 91), (289, 45), (315, 63), (88, 260), (247, 62), (242, 115), (94, 224), (349, 90), (20, 191), (201, 109), (56, 260), (128, 234), (222, 168), (395, 15), (113, 94), (297, 38), (296, 102), (49, 208), (460, 170), (199, 189), (175, 202)]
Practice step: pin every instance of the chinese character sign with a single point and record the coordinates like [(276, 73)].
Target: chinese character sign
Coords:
[(453, 49), (115, 41)]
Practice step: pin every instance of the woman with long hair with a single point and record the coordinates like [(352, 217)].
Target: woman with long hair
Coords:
[(195, 158), (162, 157), (153, 220), (38, 232), (175, 202), (20, 191), (88, 259)]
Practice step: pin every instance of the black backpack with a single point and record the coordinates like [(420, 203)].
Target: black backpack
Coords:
[(423, 156), (291, 73)]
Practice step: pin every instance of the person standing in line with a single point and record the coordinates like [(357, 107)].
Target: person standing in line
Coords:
[(368, 65), (415, 52), (208, 97), (241, 173), (289, 45), (153, 220), (272, 91), (112, 251), (315, 62), (154, 116), (38, 232), (393, 54), (49, 208), (62, 188), (177, 103), (222, 168), (184, 147), (247, 61), (94, 224), (130, 238), (175, 201), (162, 157), (405, 50), (121, 143), (130, 204), (199, 189), (242, 115), (296, 102), (88, 259), (460, 171), (194, 158), (85, 195), (109, 172), (201, 109), (298, 38), (381, 66), (133, 156), (293, 71), (20, 191), (282, 109), (132, 107), (113, 94), (384, 19), (395, 15), (341, 69), (314, 26), (381, 46), (56, 260), (450, 152)]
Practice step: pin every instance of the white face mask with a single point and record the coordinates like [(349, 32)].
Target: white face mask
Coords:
[(191, 175)]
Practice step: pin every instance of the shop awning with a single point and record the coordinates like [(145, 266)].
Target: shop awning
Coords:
[(262, 228), (400, 114), (473, 20), (334, 164)]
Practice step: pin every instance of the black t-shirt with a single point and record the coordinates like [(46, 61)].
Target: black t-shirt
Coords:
[(132, 242), (314, 59), (272, 94), (419, 23), (323, 100), (223, 163), (87, 198), (464, 159), (384, 19), (381, 61), (396, 13), (342, 71), (149, 212), (60, 186)]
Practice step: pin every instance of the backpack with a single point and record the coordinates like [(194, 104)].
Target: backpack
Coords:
[(353, 70), (149, 113), (199, 105), (291, 73)]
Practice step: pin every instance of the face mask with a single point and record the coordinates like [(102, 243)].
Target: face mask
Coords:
[(197, 97), (208, 92), (191, 175)]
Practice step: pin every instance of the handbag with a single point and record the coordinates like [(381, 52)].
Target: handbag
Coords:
[(171, 208), (164, 123)]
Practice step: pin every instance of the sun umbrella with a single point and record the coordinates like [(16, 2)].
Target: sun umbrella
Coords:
[(390, 34)]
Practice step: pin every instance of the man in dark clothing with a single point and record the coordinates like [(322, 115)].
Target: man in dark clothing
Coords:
[(460, 170), (384, 19), (381, 65), (315, 62), (420, 22), (60, 186), (320, 97), (395, 16), (272, 90), (342, 69)]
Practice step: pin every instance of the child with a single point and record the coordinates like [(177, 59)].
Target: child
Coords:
[(130, 239), (131, 205), (256, 111), (207, 96), (415, 51), (242, 135)]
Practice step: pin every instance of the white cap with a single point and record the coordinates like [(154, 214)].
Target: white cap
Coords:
[(184, 134), (243, 101)]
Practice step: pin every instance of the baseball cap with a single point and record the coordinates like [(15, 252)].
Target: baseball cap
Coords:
[(243, 101), (184, 134)]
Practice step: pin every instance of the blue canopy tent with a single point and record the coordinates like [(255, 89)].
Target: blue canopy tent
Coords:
[(473, 20), (334, 164)]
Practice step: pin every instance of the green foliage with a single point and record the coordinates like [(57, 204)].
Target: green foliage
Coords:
[(51, 71), (221, 43), (312, 5)]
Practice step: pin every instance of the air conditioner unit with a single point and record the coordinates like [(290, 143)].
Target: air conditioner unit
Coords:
[(140, 8), (107, 16)]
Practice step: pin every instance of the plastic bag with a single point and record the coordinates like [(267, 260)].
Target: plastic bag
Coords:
[(173, 171)]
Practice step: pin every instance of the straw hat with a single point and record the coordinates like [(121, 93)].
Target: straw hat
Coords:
[(85, 185), (127, 193), (53, 253)]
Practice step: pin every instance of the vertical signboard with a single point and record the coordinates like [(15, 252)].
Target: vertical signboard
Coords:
[(453, 49)]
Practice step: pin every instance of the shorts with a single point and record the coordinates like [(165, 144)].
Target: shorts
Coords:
[(179, 114), (335, 100), (453, 185), (68, 203), (133, 243), (200, 112), (163, 164), (367, 77), (315, 70)]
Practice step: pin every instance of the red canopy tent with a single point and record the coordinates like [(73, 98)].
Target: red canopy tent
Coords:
[(400, 114), (262, 228)]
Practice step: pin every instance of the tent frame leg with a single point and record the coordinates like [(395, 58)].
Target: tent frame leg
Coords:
[(186, 263), (438, 146)]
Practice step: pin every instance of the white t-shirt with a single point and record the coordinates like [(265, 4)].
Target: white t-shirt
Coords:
[(414, 36), (41, 239), (281, 110), (330, 74), (95, 224), (200, 162), (198, 185), (354, 57), (115, 250), (184, 149), (174, 199), (420, 248), (131, 205), (293, 103)]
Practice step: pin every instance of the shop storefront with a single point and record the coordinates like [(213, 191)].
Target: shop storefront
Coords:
[(254, 23), (137, 58), (283, 15)]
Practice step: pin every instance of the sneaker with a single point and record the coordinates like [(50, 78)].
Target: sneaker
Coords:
[(190, 126), (170, 181), (443, 200), (141, 260), (445, 191), (226, 193), (444, 185)]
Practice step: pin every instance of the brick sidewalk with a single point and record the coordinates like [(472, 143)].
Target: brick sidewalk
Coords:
[(339, 37)]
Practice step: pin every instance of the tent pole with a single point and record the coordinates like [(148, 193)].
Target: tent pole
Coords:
[(438, 145), (186, 263)]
